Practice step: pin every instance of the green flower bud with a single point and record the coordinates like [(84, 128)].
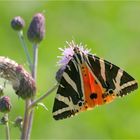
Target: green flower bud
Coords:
[(36, 30)]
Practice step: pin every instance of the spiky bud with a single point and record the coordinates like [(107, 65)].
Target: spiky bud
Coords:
[(5, 105), (21, 80), (36, 30), (4, 120), (17, 23), (59, 73), (18, 122)]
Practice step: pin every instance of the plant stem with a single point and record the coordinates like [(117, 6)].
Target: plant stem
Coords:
[(34, 73), (7, 127), (21, 37), (35, 61), (34, 103), (27, 102), (26, 121)]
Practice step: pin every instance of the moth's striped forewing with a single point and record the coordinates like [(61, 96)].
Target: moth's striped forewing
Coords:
[(88, 81)]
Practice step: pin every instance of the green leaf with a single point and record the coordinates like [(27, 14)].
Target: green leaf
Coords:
[(42, 105)]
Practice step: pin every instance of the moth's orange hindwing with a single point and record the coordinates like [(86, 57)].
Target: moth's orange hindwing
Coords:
[(92, 90)]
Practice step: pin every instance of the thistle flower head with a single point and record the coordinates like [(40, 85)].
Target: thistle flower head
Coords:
[(36, 30), (17, 23), (5, 105), (68, 52), (21, 80), (67, 55)]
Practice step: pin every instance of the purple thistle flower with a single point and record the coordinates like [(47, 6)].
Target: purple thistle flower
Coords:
[(21, 80), (36, 30), (17, 23), (5, 105), (68, 52), (67, 55)]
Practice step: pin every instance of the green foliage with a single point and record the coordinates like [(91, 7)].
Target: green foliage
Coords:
[(111, 30)]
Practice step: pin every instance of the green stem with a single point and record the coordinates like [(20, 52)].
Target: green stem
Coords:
[(26, 121), (35, 61), (7, 128), (34, 73), (21, 37), (34, 103)]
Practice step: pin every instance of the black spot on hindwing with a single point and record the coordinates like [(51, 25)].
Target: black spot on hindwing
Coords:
[(93, 95)]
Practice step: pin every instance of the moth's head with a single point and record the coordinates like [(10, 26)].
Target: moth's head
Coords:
[(76, 50)]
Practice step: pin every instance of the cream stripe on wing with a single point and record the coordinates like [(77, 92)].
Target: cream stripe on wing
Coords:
[(61, 111), (67, 101), (130, 83), (75, 64), (118, 78), (89, 65), (102, 65), (76, 57), (82, 83), (70, 81)]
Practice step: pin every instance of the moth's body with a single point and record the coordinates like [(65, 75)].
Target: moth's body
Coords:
[(89, 81)]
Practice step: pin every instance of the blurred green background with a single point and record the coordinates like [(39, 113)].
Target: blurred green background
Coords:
[(111, 30)]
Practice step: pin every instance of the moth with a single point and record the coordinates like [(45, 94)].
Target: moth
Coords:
[(88, 81)]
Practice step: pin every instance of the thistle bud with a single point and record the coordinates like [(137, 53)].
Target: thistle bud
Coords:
[(21, 80), (17, 23), (5, 105), (18, 122), (36, 30), (4, 120)]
